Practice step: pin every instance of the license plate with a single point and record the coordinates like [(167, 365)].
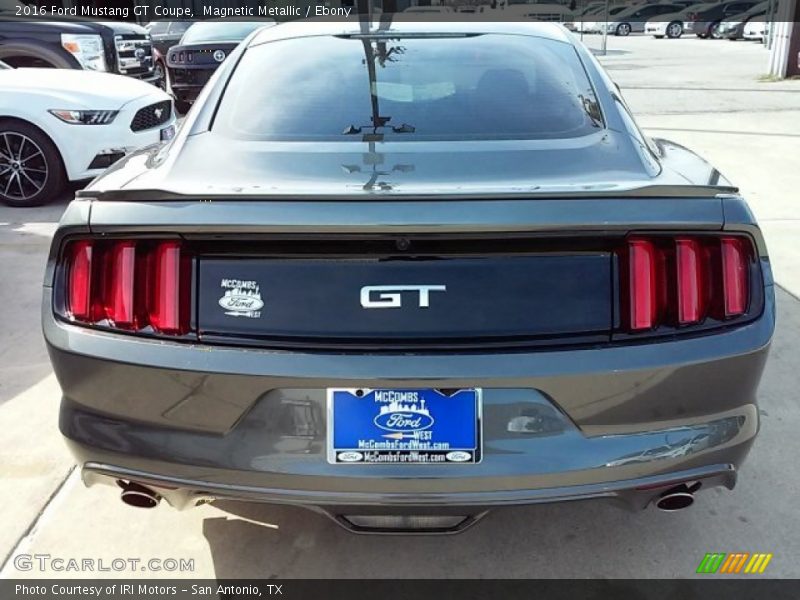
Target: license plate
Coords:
[(168, 133), (404, 426)]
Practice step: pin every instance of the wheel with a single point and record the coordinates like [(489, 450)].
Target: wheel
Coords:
[(713, 31), (623, 29), (674, 30), (31, 171)]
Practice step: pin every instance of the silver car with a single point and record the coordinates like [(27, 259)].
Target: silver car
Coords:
[(634, 19)]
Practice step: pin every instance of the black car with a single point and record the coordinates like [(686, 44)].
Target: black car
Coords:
[(166, 34), (202, 48), (705, 22), (733, 27), (405, 272), (74, 43)]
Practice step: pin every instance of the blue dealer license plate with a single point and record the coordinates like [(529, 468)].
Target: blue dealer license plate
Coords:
[(404, 426)]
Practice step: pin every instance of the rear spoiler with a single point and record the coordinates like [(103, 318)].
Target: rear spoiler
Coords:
[(533, 193)]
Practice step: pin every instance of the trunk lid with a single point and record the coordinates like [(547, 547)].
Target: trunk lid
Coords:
[(415, 300)]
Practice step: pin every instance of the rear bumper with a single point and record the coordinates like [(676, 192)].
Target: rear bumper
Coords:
[(632, 494), (614, 422)]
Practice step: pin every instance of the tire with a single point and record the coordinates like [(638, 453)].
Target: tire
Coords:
[(623, 30), (713, 31), (658, 37), (674, 30), (31, 170)]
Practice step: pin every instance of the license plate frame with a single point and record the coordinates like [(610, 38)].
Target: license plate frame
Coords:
[(399, 426)]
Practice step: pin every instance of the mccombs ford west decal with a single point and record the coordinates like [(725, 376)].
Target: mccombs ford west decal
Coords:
[(404, 426)]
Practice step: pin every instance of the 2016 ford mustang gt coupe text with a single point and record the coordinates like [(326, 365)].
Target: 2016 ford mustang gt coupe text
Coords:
[(403, 273)]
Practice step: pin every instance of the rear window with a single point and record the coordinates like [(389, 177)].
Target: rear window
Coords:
[(490, 86)]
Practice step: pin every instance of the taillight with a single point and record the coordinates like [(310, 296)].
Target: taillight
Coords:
[(684, 280), (79, 281), (642, 274), (692, 281), (168, 281), (118, 299), (133, 285), (735, 281)]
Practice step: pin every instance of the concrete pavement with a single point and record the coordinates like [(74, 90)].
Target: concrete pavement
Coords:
[(747, 128)]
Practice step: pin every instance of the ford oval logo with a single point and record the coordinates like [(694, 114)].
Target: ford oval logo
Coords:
[(350, 456), (243, 302), (403, 421), (458, 456)]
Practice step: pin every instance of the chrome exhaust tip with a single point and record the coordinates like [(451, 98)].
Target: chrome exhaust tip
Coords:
[(675, 499), (137, 495)]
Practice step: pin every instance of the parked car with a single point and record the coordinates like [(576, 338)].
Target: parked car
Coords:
[(428, 10), (687, 3), (108, 46), (202, 49), (58, 125), (733, 27), (633, 18), (756, 28), (585, 14), (590, 26), (166, 34), (403, 309), (671, 24), (539, 12), (704, 23)]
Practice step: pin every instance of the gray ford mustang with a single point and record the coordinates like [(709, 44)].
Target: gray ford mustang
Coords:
[(403, 274)]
